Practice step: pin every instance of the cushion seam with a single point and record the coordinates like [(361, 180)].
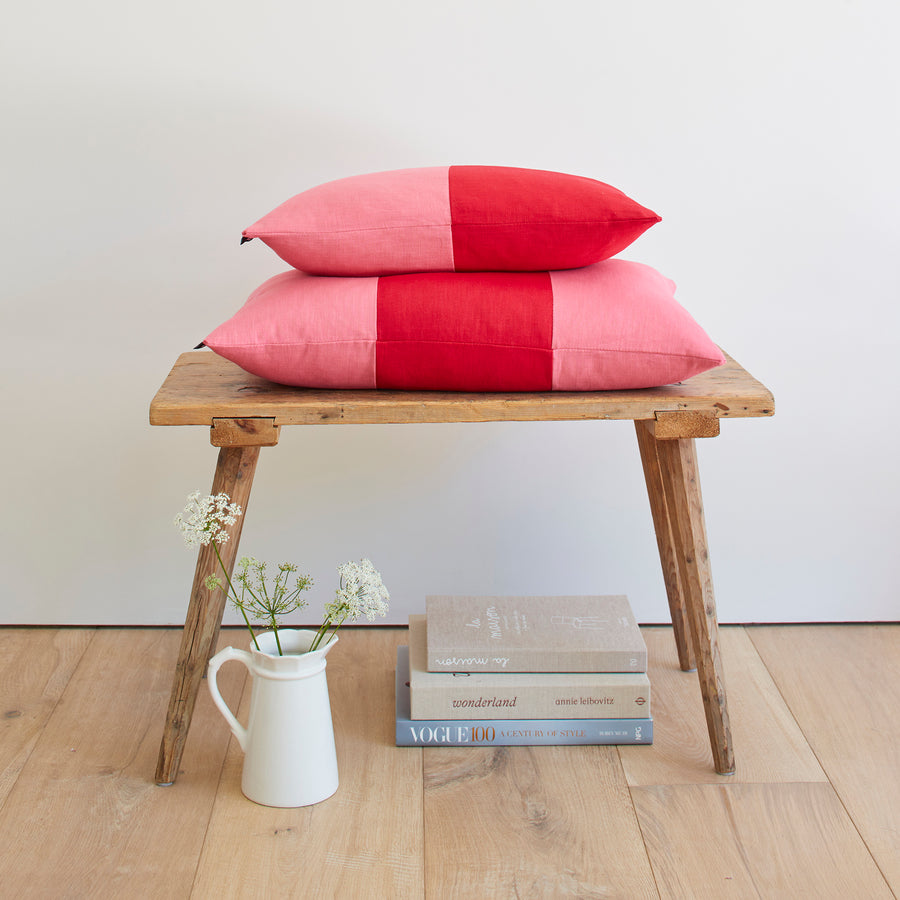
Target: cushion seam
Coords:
[(640, 352), (556, 224), (465, 344), (262, 233), (299, 343), (384, 341)]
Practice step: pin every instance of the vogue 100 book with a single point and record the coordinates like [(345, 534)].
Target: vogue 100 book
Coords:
[(481, 732)]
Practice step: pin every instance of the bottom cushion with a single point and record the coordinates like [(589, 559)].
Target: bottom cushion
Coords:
[(611, 326)]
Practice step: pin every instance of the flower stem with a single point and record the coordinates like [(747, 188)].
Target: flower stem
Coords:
[(323, 630), (234, 594), (315, 642)]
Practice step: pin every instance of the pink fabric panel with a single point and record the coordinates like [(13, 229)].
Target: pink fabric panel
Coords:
[(617, 325), (325, 328), (386, 222)]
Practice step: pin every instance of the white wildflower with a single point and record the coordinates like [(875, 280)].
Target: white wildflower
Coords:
[(361, 593), (206, 519), (256, 595)]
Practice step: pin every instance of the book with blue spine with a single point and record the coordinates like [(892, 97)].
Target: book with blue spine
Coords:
[(507, 732)]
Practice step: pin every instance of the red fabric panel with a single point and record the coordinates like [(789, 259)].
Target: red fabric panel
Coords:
[(490, 331), (532, 220)]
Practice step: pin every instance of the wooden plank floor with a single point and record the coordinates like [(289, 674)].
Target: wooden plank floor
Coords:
[(812, 811)]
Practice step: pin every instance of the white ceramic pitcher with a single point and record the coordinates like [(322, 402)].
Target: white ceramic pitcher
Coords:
[(288, 744)]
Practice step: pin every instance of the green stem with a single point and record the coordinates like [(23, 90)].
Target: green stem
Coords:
[(317, 638), (322, 631), (249, 626), (324, 627), (234, 594)]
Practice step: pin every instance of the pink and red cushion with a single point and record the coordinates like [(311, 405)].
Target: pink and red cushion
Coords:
[(612, 325), (452, 219)]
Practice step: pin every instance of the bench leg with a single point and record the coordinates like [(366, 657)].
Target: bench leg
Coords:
[(662, 525), (681, 487), (233, 476)]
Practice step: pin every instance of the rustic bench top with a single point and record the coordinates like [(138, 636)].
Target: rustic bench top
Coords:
[(203, 387)]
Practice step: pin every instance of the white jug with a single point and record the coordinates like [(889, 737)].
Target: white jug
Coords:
[(288, 744)]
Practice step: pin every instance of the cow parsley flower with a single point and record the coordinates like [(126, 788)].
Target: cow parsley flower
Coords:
[(205, 520), (267, 601), (361, 593)]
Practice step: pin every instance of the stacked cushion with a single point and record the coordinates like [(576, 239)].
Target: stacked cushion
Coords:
[(612, 325), (463, 278), (452, 219)]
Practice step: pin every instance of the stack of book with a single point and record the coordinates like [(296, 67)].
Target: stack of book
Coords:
[(523, 670)]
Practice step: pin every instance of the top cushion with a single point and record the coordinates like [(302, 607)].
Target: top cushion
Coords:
[(452, 219)]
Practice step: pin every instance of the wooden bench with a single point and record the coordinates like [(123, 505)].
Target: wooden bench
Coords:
[(244, 413)]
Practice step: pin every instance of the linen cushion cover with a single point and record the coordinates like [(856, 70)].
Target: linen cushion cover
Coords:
[(613, 325), (452, 219)]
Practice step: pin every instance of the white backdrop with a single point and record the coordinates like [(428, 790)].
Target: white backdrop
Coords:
[(139, 139)]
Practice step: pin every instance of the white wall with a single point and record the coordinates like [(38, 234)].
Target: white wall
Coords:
[(139, 139)]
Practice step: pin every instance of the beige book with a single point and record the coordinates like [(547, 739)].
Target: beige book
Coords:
[(533, 634), (520, 695)]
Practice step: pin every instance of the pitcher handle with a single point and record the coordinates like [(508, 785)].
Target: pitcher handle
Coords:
[(223, 656)]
